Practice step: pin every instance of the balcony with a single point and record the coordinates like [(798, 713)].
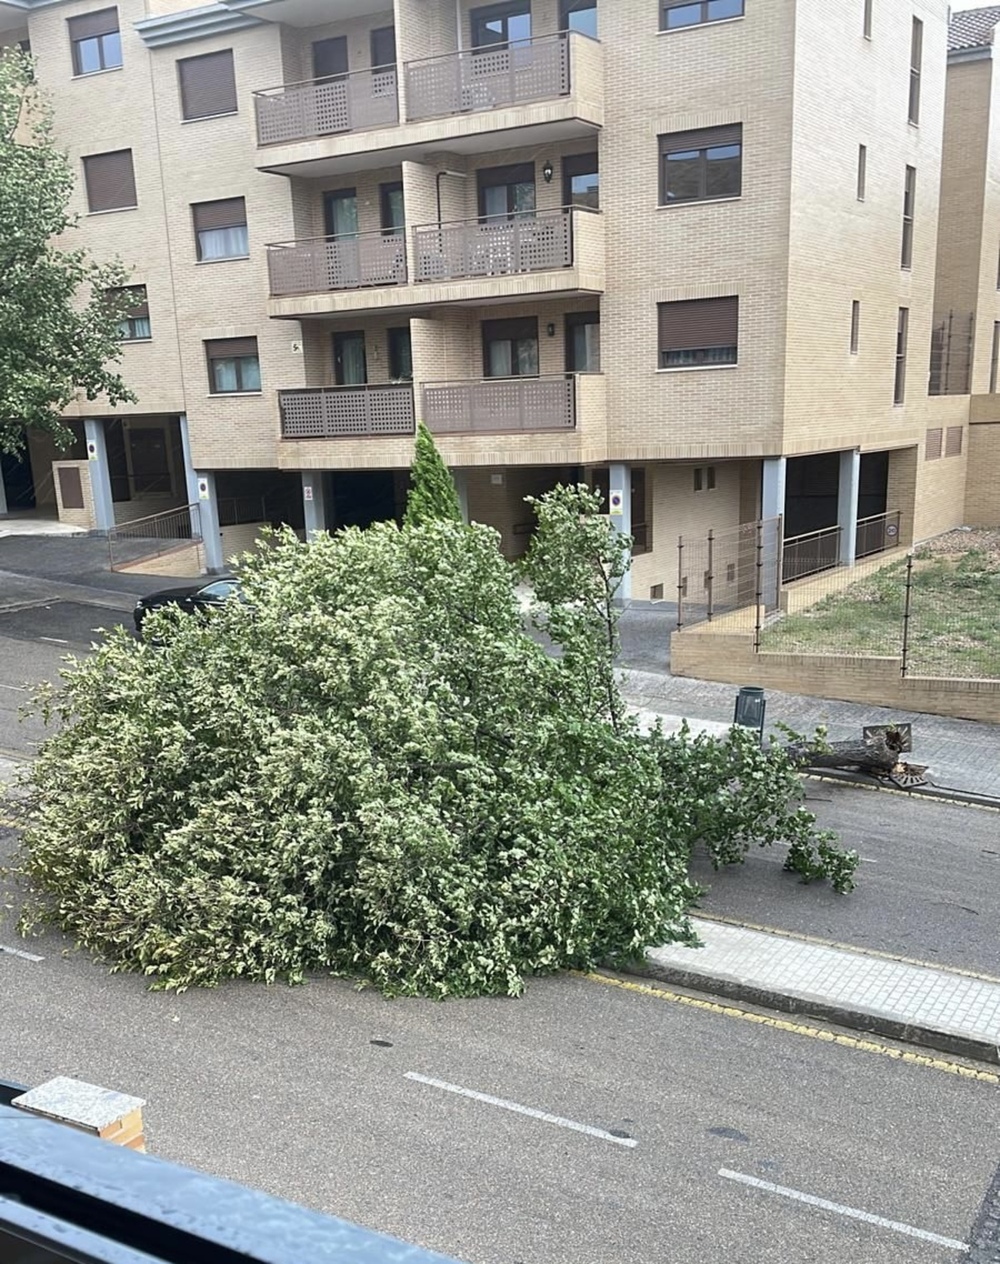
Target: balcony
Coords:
[(347, 412), (468, 102), (320, 266), (555, 254), (356, 102), (502, 405)]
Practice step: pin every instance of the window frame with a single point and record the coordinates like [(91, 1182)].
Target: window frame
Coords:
[(862, 172), (202, 57), (704, 20), (916, 67), (376, 34), (909, 207), (513, 330), (88, 187), (567, 7), (398, 337), (902, 337), (385, 192), (509, 176), (128, 334), (237, 361), (573, 321), (855, 326), (76, 41), (671, 144), (199, 254), (503, 12), (700, 360), (575, 165)]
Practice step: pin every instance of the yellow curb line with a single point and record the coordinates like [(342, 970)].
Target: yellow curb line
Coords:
[(797, 1029), (833, 943)]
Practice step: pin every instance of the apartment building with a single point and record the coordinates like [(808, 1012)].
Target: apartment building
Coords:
[(686, 250)]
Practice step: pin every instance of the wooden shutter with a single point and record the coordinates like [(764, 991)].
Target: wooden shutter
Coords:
[(208, 85), (91, 25), (227, 213), (704, 138), (110, 180), (231, 348), (696, 324)]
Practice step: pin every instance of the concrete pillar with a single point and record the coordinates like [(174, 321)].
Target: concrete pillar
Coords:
[(461, 478), (314, 501), (190, 475), (620, 510), (211, 532), (3, 494), (100, 474), (772, 491), (847, 505)]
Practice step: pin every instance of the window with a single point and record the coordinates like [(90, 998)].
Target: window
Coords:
[(675, 14), (207, 85), (902, 326), (329, 58), (855, 326), (916, 57), (400, 355), (862, 171), (642, 520), (867, 27), (233, 366), (583, 342), (350, 358), (998, 269), (501, 24), (953, 441), (220, 229), (701, 332), (390, 197), (932, 444), (510, 348), (704, 479), (578, 15), (581, 181), (96, 42), (135, 326), (383, 47), (110, 181), (995, 357), (695, 166), (340, 213), (909, 198), (506, 192)]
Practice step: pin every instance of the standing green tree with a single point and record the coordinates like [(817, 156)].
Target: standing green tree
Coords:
[(60, 311), (432, 497)]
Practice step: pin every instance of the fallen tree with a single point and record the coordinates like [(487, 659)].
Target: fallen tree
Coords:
[(878, 755)]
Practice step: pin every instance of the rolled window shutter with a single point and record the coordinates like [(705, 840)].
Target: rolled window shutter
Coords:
[(227, 213), (110, 180), (695, 324), (704, 138), (91, 25), (515, 329), (230, 348), (933, 439), (208, 85)]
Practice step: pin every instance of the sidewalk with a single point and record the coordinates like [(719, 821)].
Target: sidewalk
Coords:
[(955, 1012), (960, 754)]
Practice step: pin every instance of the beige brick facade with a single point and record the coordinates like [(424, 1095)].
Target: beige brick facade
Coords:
[(797, 246)]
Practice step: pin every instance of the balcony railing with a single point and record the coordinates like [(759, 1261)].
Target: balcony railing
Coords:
[(346, 412), (495, 247), (299, 111), (318, 265), (485, 78), (501, 405), (810, 553), (876, 534)]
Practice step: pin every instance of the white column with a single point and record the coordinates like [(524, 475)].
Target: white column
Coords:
[(620, 509), (3, 494), (211, 532), (461, 479), (190, 475), (314, 501), (847, 505), (100, 474), (772, 489)]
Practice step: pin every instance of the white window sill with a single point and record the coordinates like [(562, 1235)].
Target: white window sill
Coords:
[(113, 210), (676, 206), (698, 368), (234, 394), (202, 263), (700, 26), (106, 70), (205, 118), (132, 342)]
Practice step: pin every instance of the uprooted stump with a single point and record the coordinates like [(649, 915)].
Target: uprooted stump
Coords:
[(879, 755)]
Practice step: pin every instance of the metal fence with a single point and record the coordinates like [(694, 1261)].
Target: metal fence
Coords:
[(727, 571), (153, 536), (952, 337), (934, 612)]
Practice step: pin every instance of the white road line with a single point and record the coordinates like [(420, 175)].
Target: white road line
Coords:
[(55, 640), (851, 1212), (518, 1109), (19, 952), (18, 688)]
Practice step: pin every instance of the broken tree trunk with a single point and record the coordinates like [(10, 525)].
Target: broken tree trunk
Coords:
[(877, 755)]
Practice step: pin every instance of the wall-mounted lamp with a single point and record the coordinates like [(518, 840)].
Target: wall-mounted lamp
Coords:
[(547, 172), (550, 329)]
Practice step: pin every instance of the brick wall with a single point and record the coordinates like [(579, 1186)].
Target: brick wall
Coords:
[(982, 491)]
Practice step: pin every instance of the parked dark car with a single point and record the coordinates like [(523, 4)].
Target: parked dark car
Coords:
[(192, 599)]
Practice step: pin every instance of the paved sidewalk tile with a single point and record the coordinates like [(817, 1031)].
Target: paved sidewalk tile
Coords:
[(957, 1006)]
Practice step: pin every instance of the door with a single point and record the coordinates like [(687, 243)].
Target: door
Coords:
[(506, 192), (350, 364), (340, 219), (391, 208), (581, 181), (329, 58), (383, 48), (400, 355), (501, 24), (578, 15), (340, 213), (510, 348), (583, 342)]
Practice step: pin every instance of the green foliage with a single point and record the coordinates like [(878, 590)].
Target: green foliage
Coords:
[(58, 325), (432, 496), (372, 768)]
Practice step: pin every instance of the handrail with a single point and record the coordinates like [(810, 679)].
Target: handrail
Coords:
[(531, 42), (513, 377), (797, 539), (337, 78), (387, 234), (530, 217)]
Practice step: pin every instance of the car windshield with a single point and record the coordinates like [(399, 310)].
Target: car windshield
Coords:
[(220, 590)]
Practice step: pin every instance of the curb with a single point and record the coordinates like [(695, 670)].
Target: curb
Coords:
[(943, 794), (855, 1019)]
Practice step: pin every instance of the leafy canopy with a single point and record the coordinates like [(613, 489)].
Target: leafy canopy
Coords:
[(373, 768), (58, 321)]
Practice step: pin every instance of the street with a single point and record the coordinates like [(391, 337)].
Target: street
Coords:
[(594, 1119)]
